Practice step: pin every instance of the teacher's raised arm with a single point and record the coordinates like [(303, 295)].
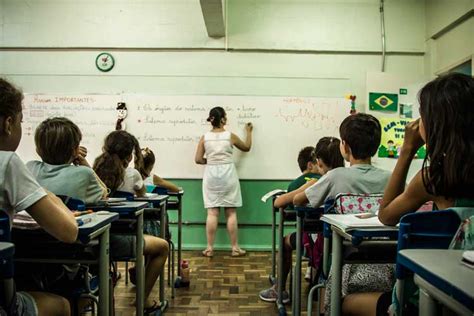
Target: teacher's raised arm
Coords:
[(237, 142)]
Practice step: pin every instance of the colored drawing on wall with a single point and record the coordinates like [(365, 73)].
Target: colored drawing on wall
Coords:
[(393, 132), (386, 102)]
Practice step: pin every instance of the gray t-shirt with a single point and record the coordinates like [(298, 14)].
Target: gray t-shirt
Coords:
[(78, 182), (356, 179), (18, 188)]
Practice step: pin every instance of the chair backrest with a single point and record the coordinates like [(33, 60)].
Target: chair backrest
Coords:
[(426, 230), (160, 190), (121, 194), (72, 203), (5, 229)]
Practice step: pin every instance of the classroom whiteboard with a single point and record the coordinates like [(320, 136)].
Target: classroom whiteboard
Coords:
[(172, 126)]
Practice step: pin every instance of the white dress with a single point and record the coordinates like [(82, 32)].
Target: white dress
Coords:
[(220, 184)]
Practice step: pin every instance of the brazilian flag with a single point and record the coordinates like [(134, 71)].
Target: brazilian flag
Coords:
[(387, 102)]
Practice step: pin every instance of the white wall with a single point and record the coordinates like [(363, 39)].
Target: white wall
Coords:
[(456, 45), (340, 40)]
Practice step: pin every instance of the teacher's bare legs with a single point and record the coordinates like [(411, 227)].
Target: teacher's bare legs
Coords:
[(211, 228), (231, 215)]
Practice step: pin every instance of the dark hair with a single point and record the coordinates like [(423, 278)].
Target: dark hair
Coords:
[(148, 161), (362, 134), (110, 165), (304, 156), (10, 99), (216, 115), (327, 149), (56, 139), (447, 112)]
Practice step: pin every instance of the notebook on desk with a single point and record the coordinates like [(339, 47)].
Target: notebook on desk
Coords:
[(348, 222), (272, 193)]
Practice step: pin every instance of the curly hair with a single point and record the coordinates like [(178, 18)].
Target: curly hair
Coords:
[(110, 165), (10, 99)]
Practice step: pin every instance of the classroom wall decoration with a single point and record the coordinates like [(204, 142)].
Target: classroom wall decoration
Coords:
[(393, 133), (172, 126)]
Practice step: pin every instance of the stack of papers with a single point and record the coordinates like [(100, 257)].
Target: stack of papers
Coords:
[(348, 222)]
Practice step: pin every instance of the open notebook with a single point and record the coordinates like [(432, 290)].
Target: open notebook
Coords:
[(272, 193), (348, 222)]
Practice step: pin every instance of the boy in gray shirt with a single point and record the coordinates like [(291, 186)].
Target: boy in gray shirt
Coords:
[(360, 139)]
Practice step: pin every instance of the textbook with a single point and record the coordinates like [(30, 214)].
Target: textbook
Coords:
[(272, 193), (348, 222)]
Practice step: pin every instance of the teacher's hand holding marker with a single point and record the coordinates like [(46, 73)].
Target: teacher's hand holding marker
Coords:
[(220, 184)]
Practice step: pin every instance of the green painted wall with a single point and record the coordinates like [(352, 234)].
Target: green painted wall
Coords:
[(254, 211)]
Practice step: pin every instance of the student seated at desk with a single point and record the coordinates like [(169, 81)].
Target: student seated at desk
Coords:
[(360, 140), (151, 178), (20, 191), (57, 142), (313, 162), (447, 176), (112, 167)]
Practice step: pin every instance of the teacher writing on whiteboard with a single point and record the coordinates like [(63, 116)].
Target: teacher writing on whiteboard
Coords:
[(220, 184)]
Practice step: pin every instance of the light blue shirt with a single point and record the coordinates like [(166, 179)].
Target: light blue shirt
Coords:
[(78, 182)]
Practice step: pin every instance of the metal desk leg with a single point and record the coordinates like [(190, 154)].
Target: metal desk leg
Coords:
[(162, 274), (297, 279), (272, 276), (104, 272), (180, 231), (280, 306), (326, 250), (336, 267), (427, 305), (140, 266)]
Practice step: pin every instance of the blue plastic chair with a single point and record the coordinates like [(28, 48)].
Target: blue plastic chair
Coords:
[(121, 194), (72, 203), (423, 230), (8, 295)]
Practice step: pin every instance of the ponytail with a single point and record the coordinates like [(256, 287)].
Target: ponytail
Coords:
[(109, 168), (216, 115)]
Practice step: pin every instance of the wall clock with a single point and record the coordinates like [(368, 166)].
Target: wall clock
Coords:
[(104, 62)]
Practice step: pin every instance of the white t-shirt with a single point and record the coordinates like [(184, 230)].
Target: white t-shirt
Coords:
[(132, 181), (356, 179), (18, 188)]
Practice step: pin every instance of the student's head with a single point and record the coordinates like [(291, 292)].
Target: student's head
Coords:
[(10, 116), (119, 149), (148, 162), (327, 154), (217, 117), (57, 140), (360, 136), (306, 159), (446, 125)]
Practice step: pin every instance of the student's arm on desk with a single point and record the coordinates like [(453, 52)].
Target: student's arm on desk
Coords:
[(199, 157), (288, 198), (165, 184), (55, 218)]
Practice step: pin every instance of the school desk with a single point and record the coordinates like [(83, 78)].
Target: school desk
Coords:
[(95, 227), (441, 277), (159, 202), (356, 237), (175, 203), (132, 211), (6, 267)]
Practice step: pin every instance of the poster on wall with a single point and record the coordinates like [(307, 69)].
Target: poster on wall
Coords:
[(385, 102), (393, 132)]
